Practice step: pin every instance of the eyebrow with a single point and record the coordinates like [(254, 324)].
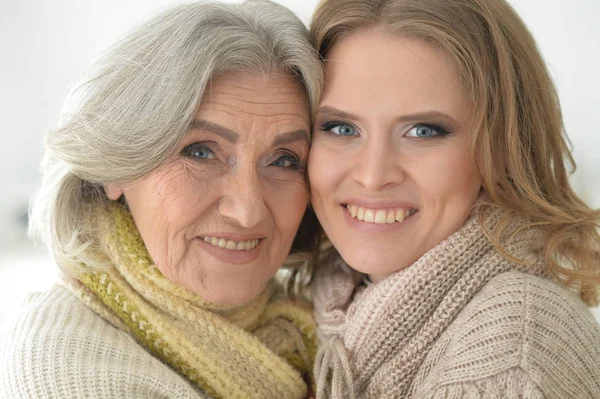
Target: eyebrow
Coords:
[(404, 118), (233, 137), (336, 112), (217, 129), (290, 137)]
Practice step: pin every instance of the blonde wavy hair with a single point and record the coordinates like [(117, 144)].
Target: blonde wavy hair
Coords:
[(519, 145), (127, 114)]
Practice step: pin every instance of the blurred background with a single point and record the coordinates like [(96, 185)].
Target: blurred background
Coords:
[(47, 44)]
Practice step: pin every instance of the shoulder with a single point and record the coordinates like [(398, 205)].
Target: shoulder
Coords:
[(519, 332), (545, 311), (56, 347)]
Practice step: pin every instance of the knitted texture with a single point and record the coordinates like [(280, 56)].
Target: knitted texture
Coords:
[(520, 336), (375, 339), (56, 347), (224, 350)]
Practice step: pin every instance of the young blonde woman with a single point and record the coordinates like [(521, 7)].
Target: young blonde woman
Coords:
[(462, 260)]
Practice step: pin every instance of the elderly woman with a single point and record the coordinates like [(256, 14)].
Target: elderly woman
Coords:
[(172, 193), (437, 170)]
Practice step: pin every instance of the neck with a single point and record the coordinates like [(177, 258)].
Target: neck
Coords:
[(375, 278)]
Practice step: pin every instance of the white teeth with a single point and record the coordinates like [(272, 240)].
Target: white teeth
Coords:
[(400, 216), (360, 214), (391, 218), (352, 209), (379, 216), (230, 244)]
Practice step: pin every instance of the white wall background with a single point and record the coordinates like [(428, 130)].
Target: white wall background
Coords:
[(45, 45)]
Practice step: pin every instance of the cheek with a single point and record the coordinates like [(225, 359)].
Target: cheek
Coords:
[(463, 178), (164, 207), (448, 175), (324, 171), (288, 206), (179, 197)]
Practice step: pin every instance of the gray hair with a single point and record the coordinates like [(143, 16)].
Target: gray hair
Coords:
[(128, 114)]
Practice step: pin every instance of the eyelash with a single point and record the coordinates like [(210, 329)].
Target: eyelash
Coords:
[(436, 128), (328, 126), (295, 164), (189, 149)]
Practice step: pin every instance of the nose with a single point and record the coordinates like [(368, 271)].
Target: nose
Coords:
[(243, 202), (377, 165)]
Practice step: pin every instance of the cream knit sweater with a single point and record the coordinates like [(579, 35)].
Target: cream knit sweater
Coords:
[(461, 322), (59, 348), (520, 337)]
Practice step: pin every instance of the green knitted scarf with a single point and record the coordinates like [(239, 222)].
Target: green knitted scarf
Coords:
[(262, 349)]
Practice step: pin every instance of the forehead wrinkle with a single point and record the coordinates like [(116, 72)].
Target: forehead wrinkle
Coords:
[(237, 110), (289, 99), (283, 117), (243, 93), (272, 83)]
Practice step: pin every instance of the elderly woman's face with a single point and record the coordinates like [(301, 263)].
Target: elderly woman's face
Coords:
[(390, 166), (220, 217)]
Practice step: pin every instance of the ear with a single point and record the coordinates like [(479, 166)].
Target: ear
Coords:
[(113, 191)]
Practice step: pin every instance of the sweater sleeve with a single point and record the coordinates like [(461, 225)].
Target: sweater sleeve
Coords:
[(58, 348), (520, 337)]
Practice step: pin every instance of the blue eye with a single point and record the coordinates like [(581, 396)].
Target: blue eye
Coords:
[(424, 130), (287, 161), (199, 151), (339, 128)]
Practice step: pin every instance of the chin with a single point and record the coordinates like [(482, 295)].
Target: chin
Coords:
[(368, 264), (231, 295)]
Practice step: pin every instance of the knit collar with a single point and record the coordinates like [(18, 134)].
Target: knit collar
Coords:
[(259, 349), (382, 332)]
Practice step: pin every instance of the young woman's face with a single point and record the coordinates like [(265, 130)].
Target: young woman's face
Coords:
[(390, 164), (219, 218)]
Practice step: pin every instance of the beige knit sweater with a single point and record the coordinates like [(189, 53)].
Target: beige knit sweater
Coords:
[(520, 337), (59, 348), (462, 322)]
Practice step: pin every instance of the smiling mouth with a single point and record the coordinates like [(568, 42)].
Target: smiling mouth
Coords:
[(379, 216), (230, 244)]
